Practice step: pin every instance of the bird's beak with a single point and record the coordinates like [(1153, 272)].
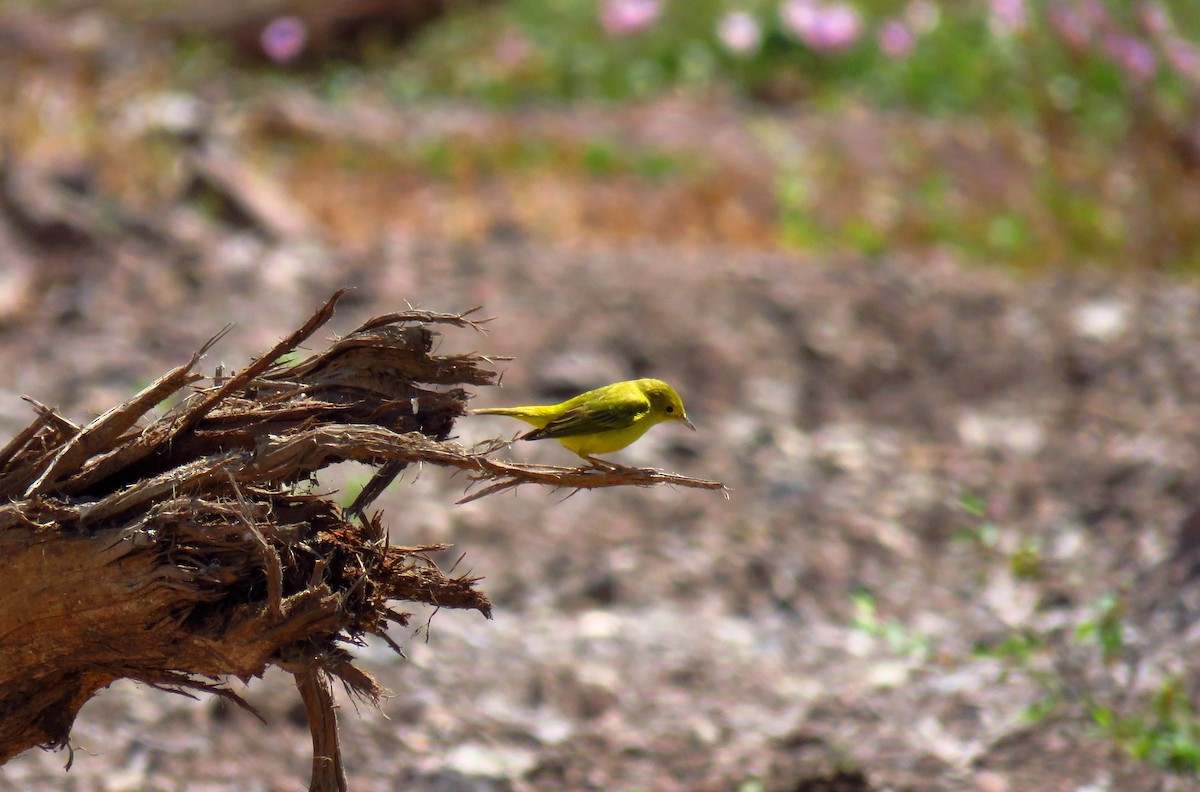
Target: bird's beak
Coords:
[(688, 424)]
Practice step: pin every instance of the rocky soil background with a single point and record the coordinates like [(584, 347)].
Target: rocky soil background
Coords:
[(962, 523)]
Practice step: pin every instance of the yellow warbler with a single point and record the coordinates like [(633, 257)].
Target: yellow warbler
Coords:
[(602, 420)]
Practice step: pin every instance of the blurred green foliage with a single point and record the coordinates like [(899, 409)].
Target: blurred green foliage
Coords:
[(1110, 104), (1157, 725), (958, 63), (899, 638), (1164, 732), (1086, 113)]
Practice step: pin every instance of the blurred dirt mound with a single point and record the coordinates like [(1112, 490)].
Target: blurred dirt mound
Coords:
[(852, 406)]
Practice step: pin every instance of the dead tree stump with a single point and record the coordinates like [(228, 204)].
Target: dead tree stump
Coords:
[(187, 549)]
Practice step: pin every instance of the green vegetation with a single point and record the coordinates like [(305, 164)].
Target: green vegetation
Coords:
[(1001, 58), (900, 639), (1026, 133), (1089, 673), (1082, 107), (1164, 731)]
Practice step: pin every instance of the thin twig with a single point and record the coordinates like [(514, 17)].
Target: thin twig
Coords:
[(260, 366)]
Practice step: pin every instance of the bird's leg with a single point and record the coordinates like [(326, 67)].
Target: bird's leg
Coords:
[(604, 465), (601, 464)]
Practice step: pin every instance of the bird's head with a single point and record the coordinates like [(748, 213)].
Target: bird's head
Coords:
[(665, 403)]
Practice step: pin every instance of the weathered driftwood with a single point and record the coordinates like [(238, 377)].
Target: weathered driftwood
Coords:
[(188, 550)]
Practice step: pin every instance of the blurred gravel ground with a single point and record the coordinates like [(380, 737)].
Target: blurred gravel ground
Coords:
[(658, 639)]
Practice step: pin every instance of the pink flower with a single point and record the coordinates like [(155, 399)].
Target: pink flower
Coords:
[(739, 32), (799, 17), (1074, 28), (1154, 18), (1096, 14), (824, 28), (1184, 58), (623, 17), (838, 28), (284, 38), (1133, 55), (896, 40), (1008, 16)]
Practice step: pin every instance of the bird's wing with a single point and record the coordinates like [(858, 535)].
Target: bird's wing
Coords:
[(611, 413)]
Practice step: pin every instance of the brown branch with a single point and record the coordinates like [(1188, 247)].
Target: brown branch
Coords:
[(328, 773), (101, 432), (506, 475), (23, 437), (239, 381)]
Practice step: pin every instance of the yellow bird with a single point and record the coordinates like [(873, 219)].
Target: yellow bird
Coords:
[(602, 420)]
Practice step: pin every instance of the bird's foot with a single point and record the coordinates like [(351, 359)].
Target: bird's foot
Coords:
[(601, 464)]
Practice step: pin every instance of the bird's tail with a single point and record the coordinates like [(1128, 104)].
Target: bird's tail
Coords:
[(530, 415)]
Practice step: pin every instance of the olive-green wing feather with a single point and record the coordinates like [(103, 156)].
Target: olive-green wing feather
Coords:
[(605, 416)]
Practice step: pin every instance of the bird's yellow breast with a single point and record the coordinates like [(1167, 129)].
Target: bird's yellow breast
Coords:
[(606, 442)]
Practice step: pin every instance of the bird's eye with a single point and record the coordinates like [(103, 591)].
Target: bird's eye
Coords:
[(670, 409)]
